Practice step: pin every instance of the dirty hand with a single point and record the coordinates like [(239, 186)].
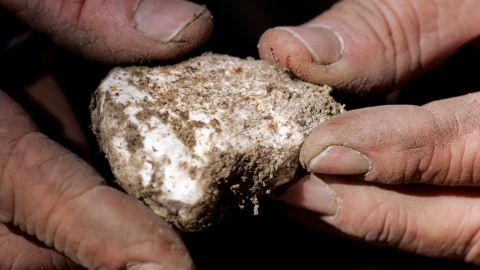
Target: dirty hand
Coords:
[(373, 46), (55, 210)]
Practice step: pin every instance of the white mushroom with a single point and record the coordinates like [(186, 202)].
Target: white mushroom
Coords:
[(192, 139)]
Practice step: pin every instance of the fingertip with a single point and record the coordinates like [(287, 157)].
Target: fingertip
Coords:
[(162, 30), (277, 46), (307, 51), (340, 160), (164, 20), (324, 45), (313, 194), (179, 26), (322, 136), (196, 33)]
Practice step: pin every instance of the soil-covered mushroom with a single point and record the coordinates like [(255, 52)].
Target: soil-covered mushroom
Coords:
[(193, 139)]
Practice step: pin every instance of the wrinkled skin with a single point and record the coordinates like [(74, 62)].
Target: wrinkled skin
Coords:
[(363, 162), (55, 211)]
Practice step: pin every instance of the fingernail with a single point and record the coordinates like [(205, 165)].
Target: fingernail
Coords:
[(324, 45), (145, 266), (163, 20), (313, 194), (339, 160)]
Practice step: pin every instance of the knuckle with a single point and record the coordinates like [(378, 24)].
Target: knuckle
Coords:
[(20, 251), (388, 224), (13, 169), (395, 30), (401, 36), (406, 148), (457, 132), (36, 163), (384, 26)]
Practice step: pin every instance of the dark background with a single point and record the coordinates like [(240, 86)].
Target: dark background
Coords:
[(270, 240)]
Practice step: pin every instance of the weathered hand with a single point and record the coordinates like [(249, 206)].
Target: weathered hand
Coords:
[(119, 31), (371, 46), (55, 206), (55, 210)]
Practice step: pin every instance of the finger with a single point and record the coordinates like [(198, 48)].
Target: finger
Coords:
[(434, 221), (21, 251), (372, 44), (437, 143), (119, 31), (56, 197)]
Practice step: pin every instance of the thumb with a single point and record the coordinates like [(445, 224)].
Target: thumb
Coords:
[(436, 143), (119, 31), (434, 221), (52, 195), (372, 44)]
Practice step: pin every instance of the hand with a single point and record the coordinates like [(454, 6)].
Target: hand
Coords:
[(362, 161), (55, 210)]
